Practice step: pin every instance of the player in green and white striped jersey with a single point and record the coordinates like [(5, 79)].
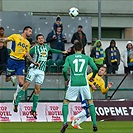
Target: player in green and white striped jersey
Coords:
[(40, 54), (78, 84)]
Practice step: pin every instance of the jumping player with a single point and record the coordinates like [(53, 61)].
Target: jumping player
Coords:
[(40, 54), (16, 63)]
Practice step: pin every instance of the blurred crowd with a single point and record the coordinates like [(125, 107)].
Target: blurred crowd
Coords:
[(111, 56)]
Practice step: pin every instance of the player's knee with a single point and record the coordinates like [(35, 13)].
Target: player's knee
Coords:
[(66, 101), (37, 91), (25, 86), (90, 101)]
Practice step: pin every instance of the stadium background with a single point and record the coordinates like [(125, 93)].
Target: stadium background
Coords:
[(117, 23)]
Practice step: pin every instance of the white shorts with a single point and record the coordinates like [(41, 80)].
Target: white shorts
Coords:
[(73, 92), (36, 74)]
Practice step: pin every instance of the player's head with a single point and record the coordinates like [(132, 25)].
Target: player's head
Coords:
[(102, 71), (27, 31), (78, 46), (40, 39)]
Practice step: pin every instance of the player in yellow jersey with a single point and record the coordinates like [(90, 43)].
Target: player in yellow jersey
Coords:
[(97, 83), (16, 63)]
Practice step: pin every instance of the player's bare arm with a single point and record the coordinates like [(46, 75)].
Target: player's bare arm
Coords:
[(31, 60), (3, 39)]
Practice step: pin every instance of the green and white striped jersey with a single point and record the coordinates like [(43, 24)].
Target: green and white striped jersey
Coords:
[(40, 55), (78, 64)]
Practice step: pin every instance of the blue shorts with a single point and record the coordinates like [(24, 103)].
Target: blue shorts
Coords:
[(15, 67)]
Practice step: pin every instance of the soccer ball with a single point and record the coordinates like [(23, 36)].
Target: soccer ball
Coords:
[(73, 12)]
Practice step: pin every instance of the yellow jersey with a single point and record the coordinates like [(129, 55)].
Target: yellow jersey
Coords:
[(98, 82), (20, 46)]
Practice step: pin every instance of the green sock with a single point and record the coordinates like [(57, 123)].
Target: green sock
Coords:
[(35, 102), (65, 112), (93, 114), (20, 94)]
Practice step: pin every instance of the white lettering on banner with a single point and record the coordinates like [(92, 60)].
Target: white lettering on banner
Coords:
[(118, 111), (125, 111), (114, 111), (101, 111), (131, 108), (106, 110)]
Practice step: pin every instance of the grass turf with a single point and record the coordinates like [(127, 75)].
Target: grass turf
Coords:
[(54, 127)]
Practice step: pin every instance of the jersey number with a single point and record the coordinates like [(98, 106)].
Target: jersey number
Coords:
[(78, 62)]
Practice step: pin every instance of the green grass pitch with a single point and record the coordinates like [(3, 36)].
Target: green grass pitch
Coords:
[(54, 127)]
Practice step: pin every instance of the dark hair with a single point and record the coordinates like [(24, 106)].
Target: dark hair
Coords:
[(78, 46), (1, 28), (80, 26), (112, 41), (27, 27), (59, 26), (38, 36)]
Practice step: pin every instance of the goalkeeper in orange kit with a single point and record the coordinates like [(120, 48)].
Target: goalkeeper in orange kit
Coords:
[(96, 83)]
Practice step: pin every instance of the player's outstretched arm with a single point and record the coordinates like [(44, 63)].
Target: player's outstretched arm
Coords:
[(3, 39), (102, 87)]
